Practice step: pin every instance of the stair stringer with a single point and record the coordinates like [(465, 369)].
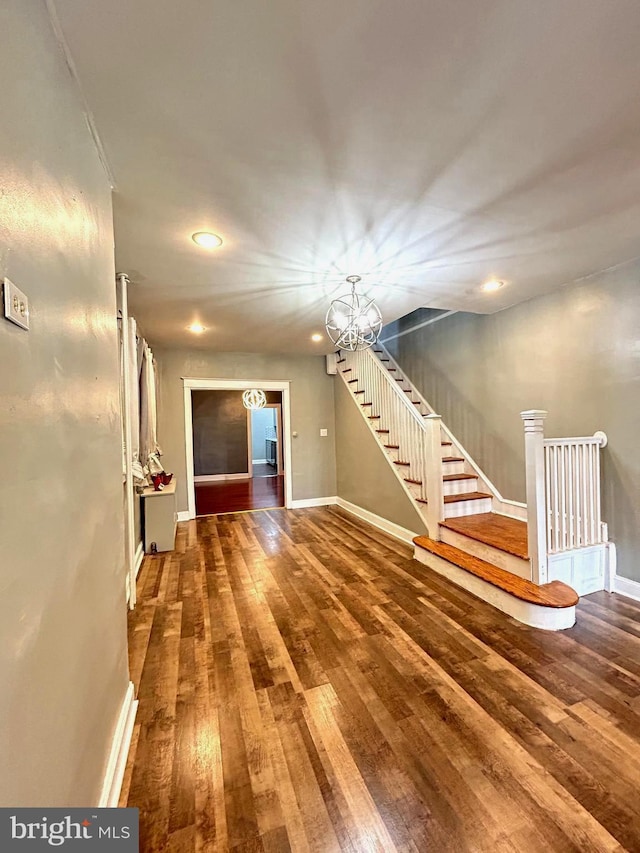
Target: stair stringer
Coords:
[(502, 505), (388, 454)]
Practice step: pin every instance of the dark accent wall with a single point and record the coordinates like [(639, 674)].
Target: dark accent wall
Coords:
[(575, 353), (219, 433)]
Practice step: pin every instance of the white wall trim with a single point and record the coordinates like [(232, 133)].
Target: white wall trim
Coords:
[(306, 502), (259, 461), (139, 557), (625, 586), (216, 478), (117, 763), (184, 516), (384, 524), (283, 385)]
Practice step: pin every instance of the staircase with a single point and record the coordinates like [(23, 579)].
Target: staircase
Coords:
[(477, 538)]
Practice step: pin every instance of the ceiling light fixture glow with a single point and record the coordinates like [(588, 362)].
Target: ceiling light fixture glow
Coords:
[(196, 328), (353, 321), (491, 285), (206, 239), (316, 337), (253, 398)]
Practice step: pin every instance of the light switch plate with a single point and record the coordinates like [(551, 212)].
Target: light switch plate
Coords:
[(16, 305), (323, 433)]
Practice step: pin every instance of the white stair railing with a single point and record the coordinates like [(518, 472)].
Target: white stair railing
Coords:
[(563, 492), (415, 439), (572, 492)]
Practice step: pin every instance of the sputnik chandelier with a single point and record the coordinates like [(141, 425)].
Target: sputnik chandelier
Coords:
[(353, 322), (254, 399)]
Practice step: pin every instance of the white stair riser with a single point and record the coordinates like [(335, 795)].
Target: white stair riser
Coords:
[(548, 618), (460, 508), (459, 487), (453, 467), (488, 553)]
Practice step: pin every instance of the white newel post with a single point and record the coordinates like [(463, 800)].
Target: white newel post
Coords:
[(536, 507), (433, 493)]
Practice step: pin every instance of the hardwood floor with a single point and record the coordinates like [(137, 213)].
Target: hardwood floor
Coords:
[(305, 685), (239, 495)]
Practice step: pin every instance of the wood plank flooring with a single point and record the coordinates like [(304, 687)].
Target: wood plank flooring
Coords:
[(239, 495), (305, 685)]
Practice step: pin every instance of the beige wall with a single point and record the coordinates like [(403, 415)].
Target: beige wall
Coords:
[(364, 475), (63, 659), (313, 457), (575, 353)]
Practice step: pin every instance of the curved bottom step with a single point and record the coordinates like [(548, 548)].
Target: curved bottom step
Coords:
[(551, 606)]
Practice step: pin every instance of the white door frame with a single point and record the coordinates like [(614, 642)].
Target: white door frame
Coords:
[(236, 385)]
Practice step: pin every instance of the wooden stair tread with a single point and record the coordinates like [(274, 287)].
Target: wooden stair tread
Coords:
[(358, 392), (383, 430), (415, 482), (347, 370), (392, 446), (374, 417), (341, 361), (452, 459), (448, 478), (499, 531), (467, 496), (399, 462), (351, 381), (554, 594)]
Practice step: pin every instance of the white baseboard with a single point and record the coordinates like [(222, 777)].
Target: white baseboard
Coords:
[(384, 524), (306, 502), (117, 763), (625, 586), (183, 515), (259, 461), (216, 478), (139, 557)]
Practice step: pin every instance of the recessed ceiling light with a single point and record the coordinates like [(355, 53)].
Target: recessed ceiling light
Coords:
[(316, 337), (491, 285), (206, 239), (196, 328)]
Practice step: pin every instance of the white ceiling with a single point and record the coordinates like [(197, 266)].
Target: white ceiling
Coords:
[(425, 145)]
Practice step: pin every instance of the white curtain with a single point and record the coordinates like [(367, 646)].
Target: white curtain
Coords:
[(149, 450)]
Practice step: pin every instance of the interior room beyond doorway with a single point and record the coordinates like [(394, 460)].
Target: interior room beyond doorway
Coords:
[(238, 463)]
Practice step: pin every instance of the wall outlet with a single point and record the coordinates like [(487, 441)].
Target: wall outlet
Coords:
[(323, 433), (16, 305)]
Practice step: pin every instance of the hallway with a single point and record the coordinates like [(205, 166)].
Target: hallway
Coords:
[(305, 685)]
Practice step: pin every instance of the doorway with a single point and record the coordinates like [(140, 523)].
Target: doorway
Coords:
[(266, 439), (237, 459)]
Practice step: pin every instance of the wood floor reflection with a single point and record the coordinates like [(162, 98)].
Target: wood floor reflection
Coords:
[(305, 685), (239, 495)]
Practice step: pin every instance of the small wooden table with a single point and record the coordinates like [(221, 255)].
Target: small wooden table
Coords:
[(159, 518)]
